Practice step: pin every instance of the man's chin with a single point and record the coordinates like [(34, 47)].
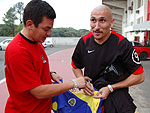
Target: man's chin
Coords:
[(97, 37)]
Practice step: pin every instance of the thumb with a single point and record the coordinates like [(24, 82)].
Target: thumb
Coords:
[(98, 95), (87, 78)]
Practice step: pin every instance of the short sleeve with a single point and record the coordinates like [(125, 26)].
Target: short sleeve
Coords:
[(129, 56)]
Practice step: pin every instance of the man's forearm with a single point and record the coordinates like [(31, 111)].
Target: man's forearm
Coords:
[(77, 72), (130, 81), (51, 90)]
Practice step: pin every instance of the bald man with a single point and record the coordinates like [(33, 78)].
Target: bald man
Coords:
[(98, 50)]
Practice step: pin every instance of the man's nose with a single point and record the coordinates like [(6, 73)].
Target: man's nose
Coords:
[(97, 25), (49, 33)]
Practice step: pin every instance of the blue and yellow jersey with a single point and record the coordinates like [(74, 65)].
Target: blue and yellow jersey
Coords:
[(76, 102)]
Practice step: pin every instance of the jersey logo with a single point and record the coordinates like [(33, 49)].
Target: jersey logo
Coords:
[(91, 51), (44, 61), (135, 57), (72, 101)]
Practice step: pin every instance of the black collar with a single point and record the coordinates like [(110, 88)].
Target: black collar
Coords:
[(32, 42)]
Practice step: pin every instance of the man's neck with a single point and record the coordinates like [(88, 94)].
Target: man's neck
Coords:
[(25, 32), (102, 40)]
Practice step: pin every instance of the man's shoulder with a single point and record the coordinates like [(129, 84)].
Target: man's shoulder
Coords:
[(118, 36), (87, 37), (17, 46)]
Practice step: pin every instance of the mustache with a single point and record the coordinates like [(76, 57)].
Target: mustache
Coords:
[(98, 31)]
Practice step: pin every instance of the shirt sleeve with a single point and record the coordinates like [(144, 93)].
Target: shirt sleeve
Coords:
[(130, 57), (77, 57)]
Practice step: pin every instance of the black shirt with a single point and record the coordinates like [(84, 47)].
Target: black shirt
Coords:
[(94, 57)]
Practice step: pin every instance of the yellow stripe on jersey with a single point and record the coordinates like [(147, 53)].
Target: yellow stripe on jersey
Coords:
[(92, 102)]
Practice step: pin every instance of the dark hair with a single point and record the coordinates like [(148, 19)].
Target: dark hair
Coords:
[(35, 10)]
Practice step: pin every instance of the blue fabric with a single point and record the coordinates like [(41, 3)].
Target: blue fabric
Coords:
[(70, 103), (80, 106)]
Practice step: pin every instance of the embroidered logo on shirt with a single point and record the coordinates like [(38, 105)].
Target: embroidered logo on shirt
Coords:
[(44, 61), (91, 51), (135, 57), (72, 101)]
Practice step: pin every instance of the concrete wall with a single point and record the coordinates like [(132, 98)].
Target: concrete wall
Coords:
[(65, 40), (58, 40)]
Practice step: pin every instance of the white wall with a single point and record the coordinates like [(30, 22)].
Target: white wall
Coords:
[(58, 40), (65, 40)]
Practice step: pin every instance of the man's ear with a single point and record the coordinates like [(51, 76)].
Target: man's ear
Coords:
[(29, 24), (112, 22)]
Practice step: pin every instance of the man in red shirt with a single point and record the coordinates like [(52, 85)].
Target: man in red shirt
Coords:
[(27, 71)]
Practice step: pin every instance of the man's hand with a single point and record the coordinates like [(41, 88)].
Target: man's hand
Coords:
[(56, 77), (82, 81), (89, 89), (102, 93)]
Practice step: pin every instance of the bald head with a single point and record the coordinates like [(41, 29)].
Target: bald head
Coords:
[(103, 8), (101, 21)]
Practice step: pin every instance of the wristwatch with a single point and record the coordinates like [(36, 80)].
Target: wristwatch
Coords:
[(75, 85), (110, 88)]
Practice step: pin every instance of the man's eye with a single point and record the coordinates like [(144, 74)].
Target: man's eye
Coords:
[(102, 20), (93, 20)]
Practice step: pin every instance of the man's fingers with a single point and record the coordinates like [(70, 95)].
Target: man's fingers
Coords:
[(90, 86), (97, 97), (98, 94), (87, 78), (87, 92)]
